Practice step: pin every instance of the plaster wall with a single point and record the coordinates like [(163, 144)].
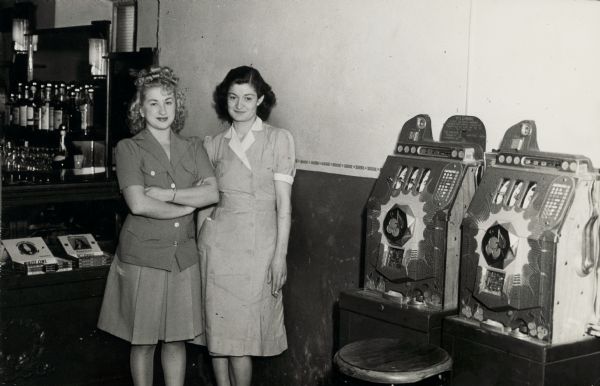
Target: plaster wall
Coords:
[(349, 73), (81, 12)]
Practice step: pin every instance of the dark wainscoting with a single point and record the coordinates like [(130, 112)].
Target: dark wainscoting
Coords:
[(324, 257)]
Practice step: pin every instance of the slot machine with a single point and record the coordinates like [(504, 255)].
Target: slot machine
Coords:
[(528, 277), (412, 241)]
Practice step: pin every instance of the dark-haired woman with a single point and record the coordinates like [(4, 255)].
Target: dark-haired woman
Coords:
[(243, 244), (153, 287)]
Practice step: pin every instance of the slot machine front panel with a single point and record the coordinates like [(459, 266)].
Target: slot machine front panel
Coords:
[(407, 223), (522, 239), (413, 214)]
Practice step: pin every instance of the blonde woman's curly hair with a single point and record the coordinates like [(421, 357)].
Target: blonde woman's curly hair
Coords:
[(155, 77)]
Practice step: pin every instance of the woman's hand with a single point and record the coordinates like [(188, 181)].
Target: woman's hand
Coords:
[(164, 195), (593, 329), (277, 275)]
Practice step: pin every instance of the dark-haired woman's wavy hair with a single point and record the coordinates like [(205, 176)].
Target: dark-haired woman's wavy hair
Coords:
[(243, 75), (155, 77)]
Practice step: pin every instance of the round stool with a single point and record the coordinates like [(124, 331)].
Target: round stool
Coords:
[(393, 361)]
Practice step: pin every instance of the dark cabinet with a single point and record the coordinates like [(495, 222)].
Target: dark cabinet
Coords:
[(48, 333)]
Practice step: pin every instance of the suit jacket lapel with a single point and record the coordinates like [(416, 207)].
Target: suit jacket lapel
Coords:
[(179, 148), (146, 141)]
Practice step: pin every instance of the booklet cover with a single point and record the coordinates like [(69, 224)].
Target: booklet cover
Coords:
[(82, 245), (31, 256), (28, 250)]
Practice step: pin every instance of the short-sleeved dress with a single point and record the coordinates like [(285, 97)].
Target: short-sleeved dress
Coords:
[(153, 286), (237, 242)]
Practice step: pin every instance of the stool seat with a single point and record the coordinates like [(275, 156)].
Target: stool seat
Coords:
[(388, 360)]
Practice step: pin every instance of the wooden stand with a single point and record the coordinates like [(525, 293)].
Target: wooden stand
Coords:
[(483, 357), (366, 314)]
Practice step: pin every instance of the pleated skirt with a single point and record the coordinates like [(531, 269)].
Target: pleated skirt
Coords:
[(145, 305)]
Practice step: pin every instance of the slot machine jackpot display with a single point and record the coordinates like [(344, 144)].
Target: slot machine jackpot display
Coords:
[(528, 282), (412, 242)]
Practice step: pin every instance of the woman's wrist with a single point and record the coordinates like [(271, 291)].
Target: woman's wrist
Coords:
[(279, 256)]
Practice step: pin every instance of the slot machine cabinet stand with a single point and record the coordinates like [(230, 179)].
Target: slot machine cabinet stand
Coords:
[(483, 357), (529, 271), (366, 314), (412, 244)]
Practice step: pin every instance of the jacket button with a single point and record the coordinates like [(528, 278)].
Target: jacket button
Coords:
[(173, 185), (176, 225), (152, 172)]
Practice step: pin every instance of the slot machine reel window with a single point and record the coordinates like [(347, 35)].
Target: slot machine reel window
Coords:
[(424, 180), (398, 182), (412, 180), (515, 195), (501, 191), (409, 180), (529, 195)]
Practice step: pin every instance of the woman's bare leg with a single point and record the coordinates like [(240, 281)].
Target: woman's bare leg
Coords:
[(242, 370), (141, 361), (221, 369), (173, 359)]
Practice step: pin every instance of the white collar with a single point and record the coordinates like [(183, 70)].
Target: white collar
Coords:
[(256, 126), (240, 147)]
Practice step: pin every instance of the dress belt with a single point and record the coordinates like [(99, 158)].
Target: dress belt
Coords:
[(244, 203)]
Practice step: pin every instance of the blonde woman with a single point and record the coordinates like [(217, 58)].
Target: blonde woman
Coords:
[(153, 287)]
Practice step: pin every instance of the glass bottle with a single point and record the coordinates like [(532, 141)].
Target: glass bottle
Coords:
[(8, 158), (36, 97), (50, 101), (86, 109), (45, 107), (31, 106), (61, 157), (14, 115), (23, 107), (60, 107), (74, 113), (8, 118), (4, 110)]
